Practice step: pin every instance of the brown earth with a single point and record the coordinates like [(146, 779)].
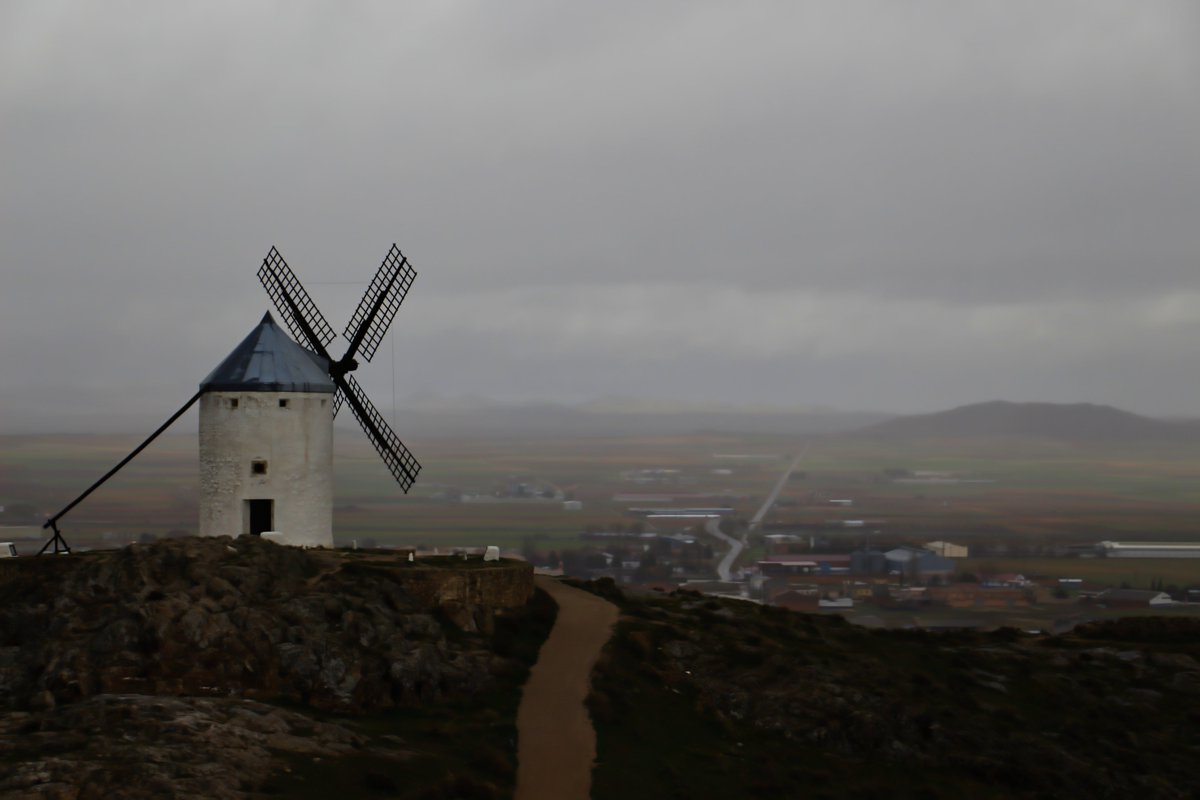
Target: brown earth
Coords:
[(556, 740)]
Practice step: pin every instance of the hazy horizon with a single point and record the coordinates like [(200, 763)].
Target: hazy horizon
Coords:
[(473, 415), (865, 205)]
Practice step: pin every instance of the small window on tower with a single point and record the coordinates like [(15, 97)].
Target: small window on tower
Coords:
[(258, 467), (233, 402), (283, 403)]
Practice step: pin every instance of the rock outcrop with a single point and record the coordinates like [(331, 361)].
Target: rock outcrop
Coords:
[(243, 618), (772, 700), (201, 668), (142, 746)]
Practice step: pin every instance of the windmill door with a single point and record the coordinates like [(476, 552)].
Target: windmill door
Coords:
[(262, 516)]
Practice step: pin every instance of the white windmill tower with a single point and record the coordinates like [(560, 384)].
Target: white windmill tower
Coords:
[(267, 410), (266, 442)]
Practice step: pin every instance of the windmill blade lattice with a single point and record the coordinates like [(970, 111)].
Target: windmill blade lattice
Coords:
[(338, 399), (403, 466), (291, 300), (365, 331), (378, 306)]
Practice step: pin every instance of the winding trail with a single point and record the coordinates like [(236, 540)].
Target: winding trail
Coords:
[(556, 743), (713, 526)]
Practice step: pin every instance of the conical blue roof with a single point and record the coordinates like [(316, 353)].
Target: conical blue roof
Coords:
[(269, 361)]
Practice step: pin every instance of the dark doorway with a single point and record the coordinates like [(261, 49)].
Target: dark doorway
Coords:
[(262, 516)]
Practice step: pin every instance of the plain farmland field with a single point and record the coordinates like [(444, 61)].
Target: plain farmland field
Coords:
[(1032, 492), (157, 492), (1037, 492)]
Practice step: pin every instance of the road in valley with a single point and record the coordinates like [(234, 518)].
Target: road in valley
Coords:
[(713, 526), (774, 495)]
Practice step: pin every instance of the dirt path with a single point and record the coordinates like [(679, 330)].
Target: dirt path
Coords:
[(556, 741)]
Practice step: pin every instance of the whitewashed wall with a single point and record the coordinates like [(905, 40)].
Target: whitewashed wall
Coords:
[(297, 444)]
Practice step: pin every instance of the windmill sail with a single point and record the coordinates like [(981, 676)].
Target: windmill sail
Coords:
[(399, 460), (365, 331), (378, 306), (338, 399), (299, 312)]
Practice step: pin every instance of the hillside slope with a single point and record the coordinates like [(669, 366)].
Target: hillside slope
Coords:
[(704, 698), (239, 668)]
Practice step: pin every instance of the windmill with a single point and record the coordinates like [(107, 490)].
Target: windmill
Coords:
[(267, 410), (364, 331)]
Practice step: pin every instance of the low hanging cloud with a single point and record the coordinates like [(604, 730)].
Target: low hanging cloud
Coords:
[(867, 204), (662, 321)]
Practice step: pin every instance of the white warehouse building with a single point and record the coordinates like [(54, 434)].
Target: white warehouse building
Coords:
[(1149, 549)]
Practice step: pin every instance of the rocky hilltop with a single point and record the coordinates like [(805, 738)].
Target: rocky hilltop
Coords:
[(207, 651), (702, 697)]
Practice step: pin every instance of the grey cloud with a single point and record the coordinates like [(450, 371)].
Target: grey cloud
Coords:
[(1025, 165)]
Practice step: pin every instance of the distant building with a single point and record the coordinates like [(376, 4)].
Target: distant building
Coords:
[(785, 538), (858, 590), (896, 595), (946, 549), (868, 562), (789, 564), (918, 563), (651, 475), (572, 505), (680, 513), (968, 595), (786, 565), (1149, 550), (1005, 580), (1133, 598)]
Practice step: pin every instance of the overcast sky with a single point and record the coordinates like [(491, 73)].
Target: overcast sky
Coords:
[(890, 205)]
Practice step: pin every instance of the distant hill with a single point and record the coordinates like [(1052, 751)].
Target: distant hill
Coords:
[(1062, 421)]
